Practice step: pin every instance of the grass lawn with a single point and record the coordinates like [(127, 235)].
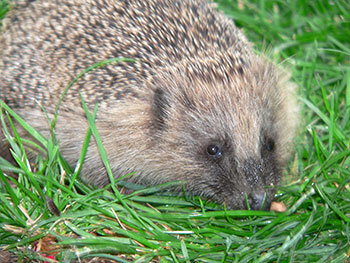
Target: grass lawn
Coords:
[(42, 219)]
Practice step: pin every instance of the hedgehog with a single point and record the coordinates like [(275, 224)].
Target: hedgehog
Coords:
[(197, 104)]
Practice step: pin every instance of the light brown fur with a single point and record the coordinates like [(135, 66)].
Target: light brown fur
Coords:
[(196, 83)]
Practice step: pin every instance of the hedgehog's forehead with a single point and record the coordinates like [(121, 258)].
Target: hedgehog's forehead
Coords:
[(225, 116), (228, 102), (221, 97)]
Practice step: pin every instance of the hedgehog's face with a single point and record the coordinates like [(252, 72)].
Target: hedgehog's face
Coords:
[(231, 176), (225, 141), (234, 178)]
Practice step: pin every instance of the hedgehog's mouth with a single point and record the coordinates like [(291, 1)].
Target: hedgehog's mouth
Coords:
[(254, 199)]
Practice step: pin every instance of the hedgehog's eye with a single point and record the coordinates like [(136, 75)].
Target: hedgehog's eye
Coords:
[(214, 150), (270, 145)]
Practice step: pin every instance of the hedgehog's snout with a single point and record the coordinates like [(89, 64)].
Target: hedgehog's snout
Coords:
[(258, 201), (257, 197)]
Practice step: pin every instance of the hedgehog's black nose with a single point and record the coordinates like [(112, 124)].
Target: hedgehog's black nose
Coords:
[(258, 201)]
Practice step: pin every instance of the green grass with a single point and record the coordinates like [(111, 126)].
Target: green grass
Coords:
[(312, 38)]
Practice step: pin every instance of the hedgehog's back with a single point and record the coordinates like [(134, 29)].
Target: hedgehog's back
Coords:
[(45, 44)]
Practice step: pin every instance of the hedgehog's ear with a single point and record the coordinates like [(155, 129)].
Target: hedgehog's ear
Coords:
[(160, 107)]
